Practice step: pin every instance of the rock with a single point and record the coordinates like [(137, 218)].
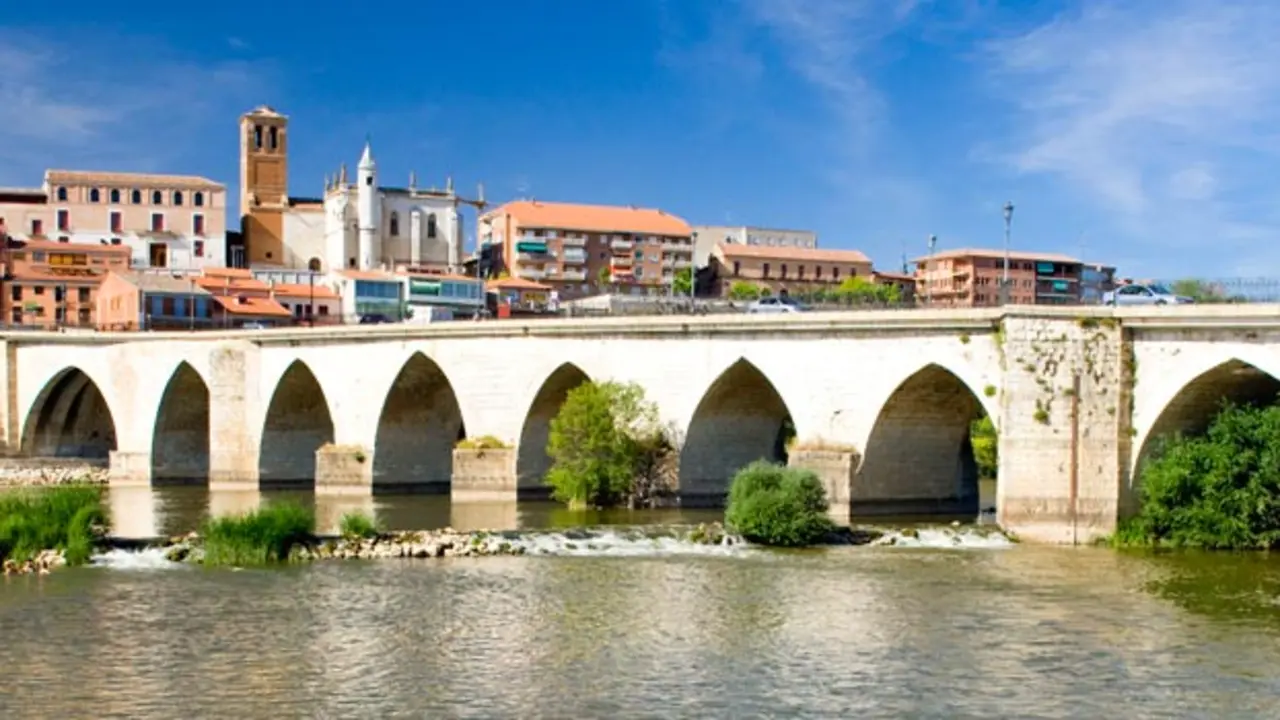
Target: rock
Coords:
[(177, 553)]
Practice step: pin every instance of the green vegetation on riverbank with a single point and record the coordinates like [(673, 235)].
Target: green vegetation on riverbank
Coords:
[(776, 505), (606, 447), (358, 525), (1218, 491), (258, 537), (53, 518)]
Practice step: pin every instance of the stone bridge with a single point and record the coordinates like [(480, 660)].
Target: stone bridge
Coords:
[(880, 402)]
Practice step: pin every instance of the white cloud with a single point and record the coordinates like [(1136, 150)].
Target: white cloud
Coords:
[(111, 102), (1160, 112)]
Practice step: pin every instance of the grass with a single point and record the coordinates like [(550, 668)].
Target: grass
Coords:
[(484, 442), (258, 537), (358, 525), (55, 518)]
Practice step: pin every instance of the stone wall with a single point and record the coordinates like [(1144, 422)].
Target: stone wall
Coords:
[(836, 470), (33, 472), (484, 475), (342, 470)]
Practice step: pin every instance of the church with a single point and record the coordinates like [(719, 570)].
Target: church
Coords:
[(358, 225)]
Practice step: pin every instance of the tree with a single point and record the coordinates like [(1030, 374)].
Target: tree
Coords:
[(982, 435), (861, 291), (603, 442), (1199, 290), (776, 505), (743, 290), (682, 282)]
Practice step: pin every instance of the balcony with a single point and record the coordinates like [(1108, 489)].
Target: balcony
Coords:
[(622, 245), (680, 263), (574, 275), (532, 246), (677, 249), (531, 273), (574, 241), (574, 258), (622, 261)]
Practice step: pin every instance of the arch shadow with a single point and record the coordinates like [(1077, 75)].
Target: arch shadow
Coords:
[(420, 423), (296, 425), (180, 438), (70, 418), (532, 460), (919, 458), (741, 418), (1193, 408)]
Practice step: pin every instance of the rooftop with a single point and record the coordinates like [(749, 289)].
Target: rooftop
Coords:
[(69, 247), (68, 276), (368, 275), (87, 177), (25, 196), (251, 306), (784, 252), (515, 283), (163, 283), (593, 218), (292, 290), (997, 254)]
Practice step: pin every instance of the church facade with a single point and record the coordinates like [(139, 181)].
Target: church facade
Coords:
[(358, 225)]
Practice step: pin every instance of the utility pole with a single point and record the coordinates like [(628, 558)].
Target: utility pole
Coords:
[(1004, 281), (928, 268)]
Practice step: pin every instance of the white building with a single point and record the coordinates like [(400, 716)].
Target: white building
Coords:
[(706, 237), (359, 225)]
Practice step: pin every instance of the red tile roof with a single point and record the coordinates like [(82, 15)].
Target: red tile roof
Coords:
[(594, 218), (254, 306), (784, 252), (997, 254), (515, 283), (291, 290)]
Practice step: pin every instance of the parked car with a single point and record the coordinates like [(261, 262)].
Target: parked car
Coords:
[(375, 319), (1141, 294), (776, 304), (254, 325)]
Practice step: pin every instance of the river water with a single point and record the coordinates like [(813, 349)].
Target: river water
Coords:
[(954, 628)]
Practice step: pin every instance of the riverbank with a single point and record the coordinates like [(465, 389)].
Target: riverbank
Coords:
[(50, 472)]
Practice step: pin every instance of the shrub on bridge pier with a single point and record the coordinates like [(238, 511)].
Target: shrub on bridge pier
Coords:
[(55, 518), (1219, 490), (258, 537), (777, 505), (606, 446)]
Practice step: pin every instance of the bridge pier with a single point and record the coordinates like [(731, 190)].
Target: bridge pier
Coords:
[(487, 475), (129, 469), (344, 470)]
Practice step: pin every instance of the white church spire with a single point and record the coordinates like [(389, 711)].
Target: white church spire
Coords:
[(367, 207)]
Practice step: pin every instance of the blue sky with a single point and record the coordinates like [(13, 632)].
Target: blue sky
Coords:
[(1140, 133)]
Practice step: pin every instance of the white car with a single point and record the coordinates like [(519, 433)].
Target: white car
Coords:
[(1144, 295), (775, 304)]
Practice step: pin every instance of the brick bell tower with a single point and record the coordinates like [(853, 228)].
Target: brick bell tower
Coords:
[(264, 184)]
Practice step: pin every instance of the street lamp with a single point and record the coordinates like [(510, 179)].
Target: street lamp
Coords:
[(1004, 282), (928, 269)]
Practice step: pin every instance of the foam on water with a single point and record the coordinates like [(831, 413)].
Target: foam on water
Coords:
[(621, 544), (959, 538), (145, 559)]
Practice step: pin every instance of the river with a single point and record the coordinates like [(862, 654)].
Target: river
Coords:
[(974, 630)]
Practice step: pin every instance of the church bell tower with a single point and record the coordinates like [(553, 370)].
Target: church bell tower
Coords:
[(264, 184)]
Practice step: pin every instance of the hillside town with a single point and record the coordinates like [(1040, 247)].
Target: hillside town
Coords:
[(126, 251)]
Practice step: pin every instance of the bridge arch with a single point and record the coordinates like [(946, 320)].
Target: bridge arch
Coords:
[(740, 419), (919, 457), (418, 426), (296, 425), (1194, 406), (70, 418), (180, 438), (532, 461)]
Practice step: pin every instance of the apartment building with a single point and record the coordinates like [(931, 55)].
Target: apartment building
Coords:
[(790, 268), (240, 298), (972, 278), (579, 250), (153, 301), (51, 284), (166, 221), (706, 237)]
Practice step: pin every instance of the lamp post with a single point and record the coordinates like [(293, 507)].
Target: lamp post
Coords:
[(928, 269), (311, 304), (1004, 280)]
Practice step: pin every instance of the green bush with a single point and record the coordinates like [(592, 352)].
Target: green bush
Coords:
[(776, 505), (258, 537), (602, 442), (54, 518), (986, 451), (358, 525), (1219, 490), (484, 442)]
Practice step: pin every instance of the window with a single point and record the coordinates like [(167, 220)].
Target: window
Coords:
[(313, 264), (64, 239), (784, 270), (323, 309), (157, 222), (62, 194), (180, 306), (197, 248), (395, 224), (115, 241), (273, 138), (157, 197), (157, 305), (37, 227), (115, 222), (817, 271), (135, 197), (39, 289), (765, 270), (835, 273), (201, 307), (197, 224), (64, 220), (59, 315), (198, 199), (84, 316), (95, 195), (82, 295), (115, 196), (177, 198), (257, 137), (800, 271), (16, 292), (16, 316), (737, 268), (431, 226), (59, 293), (369, 181)]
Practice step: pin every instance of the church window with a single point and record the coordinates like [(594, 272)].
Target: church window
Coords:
[(62, 194), (431, 226), (136, 197), (115, 197), (257, 137), (177, 197), (273, 138), (369, 181), (198, 199), (157, 198), (395, 224), (314, 264), (95, 196)]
